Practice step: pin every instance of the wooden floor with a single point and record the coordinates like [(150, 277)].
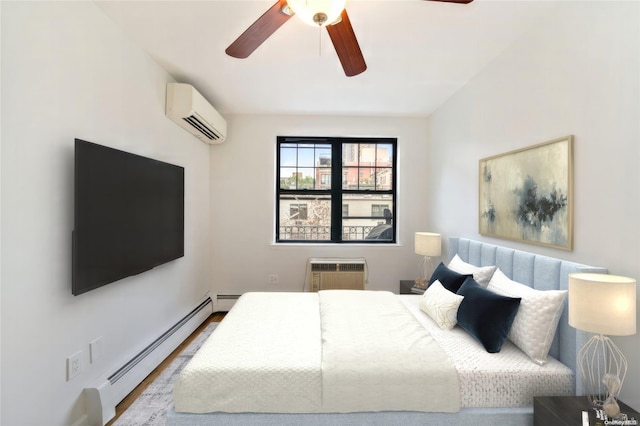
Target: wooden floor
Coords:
[(129, 399)]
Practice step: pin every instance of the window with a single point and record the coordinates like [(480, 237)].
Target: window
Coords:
[(336, 190), (378, 209), (298, 211)]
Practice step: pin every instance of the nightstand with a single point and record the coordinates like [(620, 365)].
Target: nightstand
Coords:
[(406, 286), (567, 410)]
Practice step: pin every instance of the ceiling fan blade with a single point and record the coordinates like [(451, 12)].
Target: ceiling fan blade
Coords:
[(259, 31), (344, 40), (454, 1)]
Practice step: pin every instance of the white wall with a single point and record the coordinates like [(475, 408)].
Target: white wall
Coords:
[(68, 72), (577, 72), (243, 204)]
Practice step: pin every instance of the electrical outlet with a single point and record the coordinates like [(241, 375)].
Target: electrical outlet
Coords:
[(273, 279), (74, 365)]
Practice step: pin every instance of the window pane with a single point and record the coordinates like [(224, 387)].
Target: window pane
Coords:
[(305, 157), (323, 180), (367, 154), (292, 178), (288, 156), (288, 178), (377, 210), (384, 156), (317, 224), (298, 211), (305, 166), (323, 172), (366, 229), (384, 179), (350, 154), (366, 178), (370, 217), (363, 204), (349, 178), (305, 178), (323, 157), (367, 167)]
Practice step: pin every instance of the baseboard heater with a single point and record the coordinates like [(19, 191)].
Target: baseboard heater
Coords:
[(226, 302), (102, 400)]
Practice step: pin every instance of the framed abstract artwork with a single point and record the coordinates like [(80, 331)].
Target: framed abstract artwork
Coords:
[(527, 194)]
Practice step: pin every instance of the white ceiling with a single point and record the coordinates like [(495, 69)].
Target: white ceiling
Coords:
[(418, 53)]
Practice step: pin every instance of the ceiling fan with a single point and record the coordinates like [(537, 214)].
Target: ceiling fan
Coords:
[(323, 13)]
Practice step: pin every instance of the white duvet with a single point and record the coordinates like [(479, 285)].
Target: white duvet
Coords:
[(264, 357), (333, 351), (377, 357)]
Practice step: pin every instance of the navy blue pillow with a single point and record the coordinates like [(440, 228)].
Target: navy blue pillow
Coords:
[(450, 279), (486, 315)]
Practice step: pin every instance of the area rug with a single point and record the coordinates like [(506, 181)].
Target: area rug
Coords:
[(151, 407)]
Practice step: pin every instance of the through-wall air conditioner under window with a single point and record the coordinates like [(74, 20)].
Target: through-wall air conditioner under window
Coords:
[(346, 185), (337, 274)]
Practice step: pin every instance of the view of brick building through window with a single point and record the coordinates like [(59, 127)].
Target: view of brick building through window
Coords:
[(306, 194)]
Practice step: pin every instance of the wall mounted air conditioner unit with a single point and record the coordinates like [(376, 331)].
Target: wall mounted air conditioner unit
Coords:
[(191, 111), (332, 274)]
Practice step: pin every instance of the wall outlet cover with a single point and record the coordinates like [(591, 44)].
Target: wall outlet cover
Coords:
[(74, 365)]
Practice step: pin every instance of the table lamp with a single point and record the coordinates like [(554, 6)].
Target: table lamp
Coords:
[(428, 245), (604, 305)]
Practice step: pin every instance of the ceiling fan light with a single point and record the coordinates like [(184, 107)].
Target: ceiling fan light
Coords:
[(317, 12)]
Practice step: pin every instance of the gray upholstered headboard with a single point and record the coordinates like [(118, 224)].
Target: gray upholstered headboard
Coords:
[(539, 272)]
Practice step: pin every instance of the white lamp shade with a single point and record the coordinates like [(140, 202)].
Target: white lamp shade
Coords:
[(306, 10), (602, 304), (428, 244)]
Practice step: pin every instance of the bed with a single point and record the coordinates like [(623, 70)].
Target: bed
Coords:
[(246, 374)]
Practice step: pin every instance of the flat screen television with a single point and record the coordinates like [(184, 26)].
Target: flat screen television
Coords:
[(128, 215)]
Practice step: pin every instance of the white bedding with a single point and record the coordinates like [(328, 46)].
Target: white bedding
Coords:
[(314, 352), (246, 367), (505, 379), (377, 357)]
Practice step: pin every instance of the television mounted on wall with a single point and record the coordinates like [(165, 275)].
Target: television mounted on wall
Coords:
[(128, 215)]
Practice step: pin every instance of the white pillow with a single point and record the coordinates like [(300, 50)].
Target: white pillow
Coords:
[(441, 305), (482, 274), (537, 319)]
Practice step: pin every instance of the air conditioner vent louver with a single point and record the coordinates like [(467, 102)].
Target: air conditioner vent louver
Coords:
[(324, 267), (333, 274), (352, 267), (337, 266), (193, 120)]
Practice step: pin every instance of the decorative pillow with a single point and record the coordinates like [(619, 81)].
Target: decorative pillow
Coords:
[(482, 274), (537, 320), (486, 315), (450, 279), (441, 305)]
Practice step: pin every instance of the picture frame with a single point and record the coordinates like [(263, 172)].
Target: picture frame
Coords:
[(526, 195)]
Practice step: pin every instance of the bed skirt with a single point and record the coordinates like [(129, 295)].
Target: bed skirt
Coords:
[(522, 416)]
